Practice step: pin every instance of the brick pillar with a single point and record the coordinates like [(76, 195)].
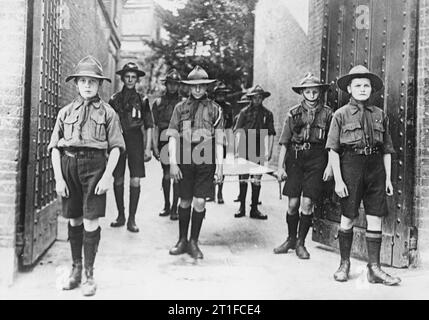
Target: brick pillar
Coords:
[(421, 204), (13, 24)]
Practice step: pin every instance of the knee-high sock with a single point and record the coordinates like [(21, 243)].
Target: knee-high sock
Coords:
[(345, 239), (134, 201), (373, 243), (292, 224), (197, 221), (76, 242), (90, 247), (119, 197)]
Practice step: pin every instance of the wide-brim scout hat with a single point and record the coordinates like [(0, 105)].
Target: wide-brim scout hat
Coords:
[(258, 90), (221, 88), (172, 76), (131, 67), (88, 67), (243, 100), (360, 71), (198, 76), (310, 81)]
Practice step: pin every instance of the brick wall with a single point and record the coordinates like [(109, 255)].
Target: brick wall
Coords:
[(421, 205), (281, 59), (13, 16), (88, 33)]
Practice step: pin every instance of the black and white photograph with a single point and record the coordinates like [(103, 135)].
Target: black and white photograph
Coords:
[(214, 154)]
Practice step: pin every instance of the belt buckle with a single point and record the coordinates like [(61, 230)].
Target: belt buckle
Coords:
[(367, 151), (306, 146)]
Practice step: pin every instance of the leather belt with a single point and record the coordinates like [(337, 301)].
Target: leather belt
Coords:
[(82, 153), (305, 146), (366, 151)]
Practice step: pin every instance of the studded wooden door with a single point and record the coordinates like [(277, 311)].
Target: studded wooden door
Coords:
[(41, 205), (380, 34)]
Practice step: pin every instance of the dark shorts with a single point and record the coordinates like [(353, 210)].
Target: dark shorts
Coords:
[(134, 153), (365, 179), (198, 181), (164, 155), (305, 173), (252, 148), (82, 173)]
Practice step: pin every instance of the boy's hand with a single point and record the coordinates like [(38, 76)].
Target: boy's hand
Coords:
[(61, 188), (175, 173), (281, 175), (341, 189), (147, 155), (389, 188), (156, 153), (328, 173), (219, 175), (103, 185)]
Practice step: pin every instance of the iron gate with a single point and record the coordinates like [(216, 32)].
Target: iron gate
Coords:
[(41, 205), (380, 34)]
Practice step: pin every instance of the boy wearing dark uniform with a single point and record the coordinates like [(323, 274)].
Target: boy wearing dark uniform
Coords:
[(196, 132), (254, 141), (86, 131), (162, 111), (136, 119), (220, 92), (302, 143), (360, 149)]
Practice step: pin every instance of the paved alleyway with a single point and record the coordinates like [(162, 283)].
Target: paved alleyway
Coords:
[(238, 262)]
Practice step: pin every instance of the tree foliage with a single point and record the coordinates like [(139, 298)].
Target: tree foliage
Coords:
[(216, 34)]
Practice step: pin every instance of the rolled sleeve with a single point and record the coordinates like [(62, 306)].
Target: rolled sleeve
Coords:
[(147, 115), (115, 139), (173, 128), (333, 140), (286, 134), (387, 139), (58, 131)]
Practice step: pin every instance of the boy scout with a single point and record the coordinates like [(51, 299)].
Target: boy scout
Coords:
[(196, 131), (303, 146), (162, 110), (220, 92), (254, 123), (85, 131), (360, 149), (136, 118)]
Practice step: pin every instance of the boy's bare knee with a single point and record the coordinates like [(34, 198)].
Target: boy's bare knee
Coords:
[(199, 204), (118, 181), (76, 222), (135, 182), (185, 203), (91, 225)]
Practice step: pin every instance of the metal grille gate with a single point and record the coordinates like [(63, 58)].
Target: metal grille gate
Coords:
[(387, 46), (41, 206)]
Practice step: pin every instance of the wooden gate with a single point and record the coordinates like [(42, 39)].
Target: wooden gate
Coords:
[(41, 205), (380, 34)]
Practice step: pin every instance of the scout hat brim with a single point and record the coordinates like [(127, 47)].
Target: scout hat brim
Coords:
[(73, 76), (344, 81), (265, 94), (200, 81), (298, 89), (139, 73)]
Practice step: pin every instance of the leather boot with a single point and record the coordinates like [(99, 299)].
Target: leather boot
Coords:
[(254, 212), (182, 245), (119, 197), (197, 221), (243, 192), (304, 225), (166, 191), (90, 247), (345, 239), (290, 243), (375, 273), (134, 200), (219, 194), (76, 243), (173, 211)]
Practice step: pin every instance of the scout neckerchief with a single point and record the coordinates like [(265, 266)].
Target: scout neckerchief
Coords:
[(130, 95), (365, 122), (311, 115), (84, 112)]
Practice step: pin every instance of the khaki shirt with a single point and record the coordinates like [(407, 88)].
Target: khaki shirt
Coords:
[(257, 118), (350, 128), (162, 109), (196, 120), (102, 129), (301, 125)]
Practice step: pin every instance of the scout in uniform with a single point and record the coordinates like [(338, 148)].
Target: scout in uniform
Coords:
[(302, 143), (255, 124), (86, 131), (360, 149), (136, 119), (162, 111), (196, 157), (220, 92)]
